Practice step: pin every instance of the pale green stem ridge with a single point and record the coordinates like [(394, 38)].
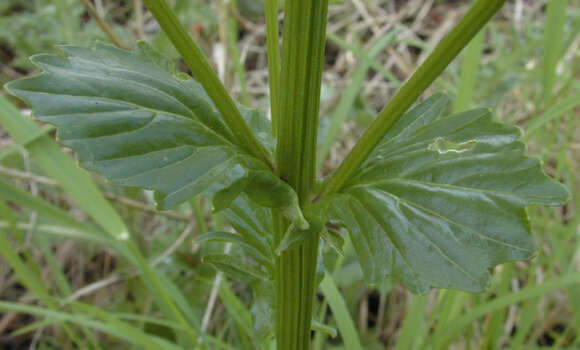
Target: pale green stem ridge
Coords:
[(272, 37), (479, 14), (204, 73), (299, 102)]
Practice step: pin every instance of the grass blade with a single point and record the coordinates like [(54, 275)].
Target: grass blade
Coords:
[(348, 97), (553, 45), (61, 167), (460, 323), (556, 111), (469, 72), (342, 317), (79, 186), (413, 321), (111, 326)]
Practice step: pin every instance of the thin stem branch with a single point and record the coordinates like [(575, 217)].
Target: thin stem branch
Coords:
[(199, 65), (103, 24), (479, 14), (139, 21)]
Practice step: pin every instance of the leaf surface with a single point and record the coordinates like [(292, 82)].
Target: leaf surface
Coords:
[(442, 199), (253, 222), (236, 268), (131, 119), (266, 261)]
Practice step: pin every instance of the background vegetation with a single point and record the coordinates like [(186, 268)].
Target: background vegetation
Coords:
[(65, 285)]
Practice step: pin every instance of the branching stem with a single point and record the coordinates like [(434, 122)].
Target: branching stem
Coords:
[(479, 14)]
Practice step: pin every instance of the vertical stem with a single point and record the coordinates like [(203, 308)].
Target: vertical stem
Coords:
[(301, 75), (272, 41)]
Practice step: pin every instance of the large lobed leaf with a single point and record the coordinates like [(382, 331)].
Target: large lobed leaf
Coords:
[(131, 119), (442, 199)]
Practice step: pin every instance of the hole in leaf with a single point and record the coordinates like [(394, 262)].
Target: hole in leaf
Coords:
[(443, 145)]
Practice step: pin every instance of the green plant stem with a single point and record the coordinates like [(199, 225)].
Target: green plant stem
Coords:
[(103, 24), (301, 75), (479, 14), (273, 44), (204, 73)]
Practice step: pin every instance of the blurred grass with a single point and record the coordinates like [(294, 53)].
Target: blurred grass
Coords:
[(525, 66)]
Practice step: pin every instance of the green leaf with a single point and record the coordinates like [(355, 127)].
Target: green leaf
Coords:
[(442, 199), (277, 194), (295, 235), (236, 268), (334, 240), (145, 50), (238, 239), (59, 166), (253, 222), (132, 120)]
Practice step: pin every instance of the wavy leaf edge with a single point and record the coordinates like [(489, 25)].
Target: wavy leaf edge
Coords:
[(401, 228)]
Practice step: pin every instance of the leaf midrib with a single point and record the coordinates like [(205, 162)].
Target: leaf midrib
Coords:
[(171, 114)]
